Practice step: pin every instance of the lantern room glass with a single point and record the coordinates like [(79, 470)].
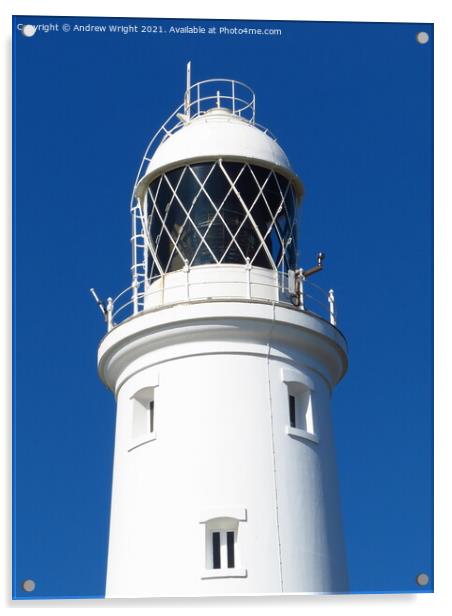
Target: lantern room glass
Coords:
[(221, 212)]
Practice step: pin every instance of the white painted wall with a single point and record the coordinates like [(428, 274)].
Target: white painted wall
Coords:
[(215, 280), (221, 444)]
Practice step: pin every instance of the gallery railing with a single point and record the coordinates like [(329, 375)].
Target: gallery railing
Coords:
[(300, 294)]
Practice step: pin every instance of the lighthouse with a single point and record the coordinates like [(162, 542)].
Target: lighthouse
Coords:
[(222, 356)]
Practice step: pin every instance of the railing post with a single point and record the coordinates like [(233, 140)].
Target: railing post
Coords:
[(187, 279), (248, 278), (233, 97), (332, 303), (187, 98), (109, 314), (301, 289)]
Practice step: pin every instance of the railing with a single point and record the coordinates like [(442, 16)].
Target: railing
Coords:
[(309, 297), (227, 93), (200, 98)]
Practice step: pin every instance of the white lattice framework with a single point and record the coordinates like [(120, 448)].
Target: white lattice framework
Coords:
[(285, 237)]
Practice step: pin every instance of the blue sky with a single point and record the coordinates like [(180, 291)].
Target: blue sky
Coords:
[(351, 103)]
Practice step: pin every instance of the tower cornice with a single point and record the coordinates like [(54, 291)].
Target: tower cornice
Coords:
[(221, 327)]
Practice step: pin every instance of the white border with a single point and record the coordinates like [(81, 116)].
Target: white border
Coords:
[(238, 513), (292, 376), (436, 11), (303, 434)]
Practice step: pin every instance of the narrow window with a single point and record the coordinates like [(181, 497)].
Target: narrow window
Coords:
[(230, 540), (142, 416), (216, 560), (292, 411), (222, 548), (151, 416)]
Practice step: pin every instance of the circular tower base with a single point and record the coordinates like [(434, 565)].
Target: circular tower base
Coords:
[(224, 475)]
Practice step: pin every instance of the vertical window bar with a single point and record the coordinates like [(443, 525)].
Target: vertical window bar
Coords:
[(292, 411), (230, 539), (151, 416), (216, 550)]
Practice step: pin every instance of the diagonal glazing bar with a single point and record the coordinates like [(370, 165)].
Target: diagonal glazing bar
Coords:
[(217, 210), (290, 219), (157, 216), (167, 209), (248, 215), (188, 217), (247, 211), (288, 236), (148, 238), (147, 226), (283, 237), (273, 222)]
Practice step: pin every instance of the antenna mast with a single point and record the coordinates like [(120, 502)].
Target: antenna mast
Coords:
[(187, 98)]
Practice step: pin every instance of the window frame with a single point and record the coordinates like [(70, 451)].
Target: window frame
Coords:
[(143, 415), (224, 526), (300, 385)]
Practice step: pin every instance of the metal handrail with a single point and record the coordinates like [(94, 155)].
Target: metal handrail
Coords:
[(173, 123), (129, 288), (249, 104), (218, 98), (136, 301), (150, 292)]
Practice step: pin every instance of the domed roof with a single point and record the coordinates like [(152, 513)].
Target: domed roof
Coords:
[(218, 133)]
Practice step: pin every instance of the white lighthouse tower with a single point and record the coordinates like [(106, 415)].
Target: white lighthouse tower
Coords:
[(222, 363)]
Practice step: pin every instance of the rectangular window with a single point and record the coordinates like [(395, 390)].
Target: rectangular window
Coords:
[(151, 416), (230, 540), (216, 560), (292, 411), (143, 414), (222, 550), (142, 417)]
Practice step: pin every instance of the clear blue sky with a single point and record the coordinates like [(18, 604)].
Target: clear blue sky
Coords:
[(352, 106)]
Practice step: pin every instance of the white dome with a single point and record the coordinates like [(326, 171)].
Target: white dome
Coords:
[(218, 133)]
